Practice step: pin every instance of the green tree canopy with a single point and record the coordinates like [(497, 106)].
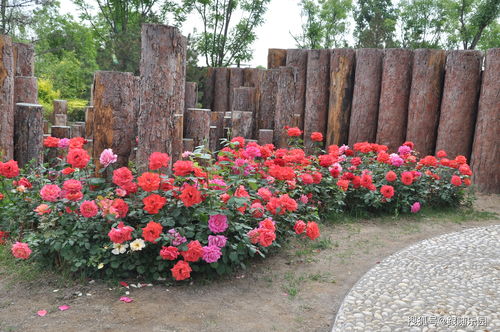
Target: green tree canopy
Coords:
[(375, 23)]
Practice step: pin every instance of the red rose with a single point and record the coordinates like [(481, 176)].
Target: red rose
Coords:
[(67, 170), (121, 207), (343, 184), (190, 196), (456, 180), (391, 176), (9, 169), (194, 252), (240, 140), (407, 178), (152, 231), (317, 137), (120, 234), (266, 237), (300, 227), (51, 142), (169, 253), (326, 160), (77, 142), (153, 203), (122, 176), (441, 154), (312, 230), (158, 160), (149, 181), (317, 176), (387, 191), (294, 132), (282, 173), (183, 167), (181, 271), (78, 158), (306, 178)]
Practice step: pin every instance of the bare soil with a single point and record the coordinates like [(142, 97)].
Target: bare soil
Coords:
[(297, 289)]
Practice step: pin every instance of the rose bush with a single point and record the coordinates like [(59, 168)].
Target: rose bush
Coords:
[(209, 213)]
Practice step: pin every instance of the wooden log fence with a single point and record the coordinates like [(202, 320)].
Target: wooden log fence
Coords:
[(28, 138)]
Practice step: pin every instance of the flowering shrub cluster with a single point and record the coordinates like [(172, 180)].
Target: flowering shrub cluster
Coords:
[(206, 213)]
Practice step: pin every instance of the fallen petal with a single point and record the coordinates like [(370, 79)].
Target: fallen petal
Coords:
[(64, 307), (126, 299), (124, 284), (41, 313)]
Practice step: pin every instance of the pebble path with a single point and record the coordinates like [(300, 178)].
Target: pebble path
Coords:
[(446, 283)]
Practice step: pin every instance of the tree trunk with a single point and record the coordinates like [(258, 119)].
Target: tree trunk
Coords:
[(24, 59), (6, 99), (221, 92), (235, 81), (208, 88), (298, 60), (285, 98), (365, 100), (276, 57), (89, 122), (459, 104), (425, 97), (28, 133), (485, 151), (163, 80), (317, 95), (342, 63), (266, 136), (60, 107), (113, 115), (394, 96), (242, 124), (197, 125), (25, 89), (191, 93)]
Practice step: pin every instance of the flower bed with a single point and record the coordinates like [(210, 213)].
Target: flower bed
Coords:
[(211, 213)]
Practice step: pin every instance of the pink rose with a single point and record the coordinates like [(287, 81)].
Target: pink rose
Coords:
[(217, 223), (211, 254), (217, 240), (415, 207), (50, 192), (20, 250), (107, 158)]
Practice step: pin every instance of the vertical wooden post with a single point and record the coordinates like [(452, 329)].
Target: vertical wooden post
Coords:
[(28, 137), (191, 94), (297, 59), (82, 126), (217, 120), (221, 91), (163, 80), (197, 125), (177, 144), (61, 131), (459, 104), (365, 100), (317, 94), (213, 141), (45, 127), (24, 59), (285, 99), (76, 130), (89, 122), (266, 96), (394, 96), (251, 77), (242, 124), (244, 99), (113, 115), (425, 97), (60, 119), (6, 99), (276, 57), (188, 144), (208, 88), (60, 107), (25, 89), (485, 151), (342, 63), (235, 81), (265, 136)]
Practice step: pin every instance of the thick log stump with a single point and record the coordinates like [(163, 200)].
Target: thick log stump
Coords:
[(459, 104), (317, 95), (217, 120), (197, 125), (266, 96), (6, 99), (113, 115), (82, 128), (163, 80), (188, 144), (285, 99), (394, 97), (28, 133), (297, 59), (60, 131), (342, 63), (177, 144), (486, 148), (208, 88), (60, 107), (76, 130), (24, 59), (213, 141), (191, 94), (266, 136), (89, 122), (60, 119), (25, 89), (227, 120), (364, 111), (425, 97), (244, 99), (276, 57), (235, 81), (46, 127), (221, 92), (242, 124)]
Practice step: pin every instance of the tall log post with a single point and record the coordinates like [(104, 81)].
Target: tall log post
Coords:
[(276, 57), (89, 122), (197, 125), (342, 64), (136, 99), (227, 120), (217, 120), (285, 99), (213, 140), (24, 59), (60, 119), (177, 144), (242, 124), (317, 95), (6, 99), (60, 131), (208, 88), (425, 97), (251, 77), (266, 96), (25, 89), (113, 115), (76, 130), (60, 107), (188, 144), (459, 104), (486, 147), (28, 133), (297, 59), (163, 80), (365, 100), (46, 127), (191, 94), (266, 136), (394, 97), (235, 81), (244, 99), (221, 92), (82, 128)]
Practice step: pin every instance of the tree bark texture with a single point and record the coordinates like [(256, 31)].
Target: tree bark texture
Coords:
[(60, 120), (251, 77), (285, 98), (24, 59), (242, 124), (177, 144), (221, 91), (60, 107), (276, 57), (197, 125), (89, 122), (6, 99), (191, 93), (266, 136), (298, 60), (28, 137), (25, 89), (244, 99), (217, 120), (213, 141), (266, 96), (60, 131), (77, 130), (188, 144), (235, 81), (208, 88)]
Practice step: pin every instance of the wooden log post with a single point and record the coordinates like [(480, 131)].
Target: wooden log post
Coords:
[(76, 130), (425, 97), (242, 124), (163, 80), (46, 127), (188, 144), (6, 99), (244, 99), (251, 77), (191, 95), (227, 120), (177, 144), (342, 64), (60, 119), (89, 122), (486, 147), (266, 136), (297, 59), (317, 95), (217, 120), (235, 81), (60, 131), (137, 106), (394, 97), (113, 115), (25, 89), (459, 103), (24, 59), (221, 91), (28, 133), (213, 141), (198, 125), (60, 107), (208, 88), (82, 128), (285, 99), (276, 57), (365, 99), (266, 99)]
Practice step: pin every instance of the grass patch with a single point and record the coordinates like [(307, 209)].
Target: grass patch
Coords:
[(292, 283), (15, 269)]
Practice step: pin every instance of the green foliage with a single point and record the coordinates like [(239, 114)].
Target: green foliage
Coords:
[(46, 95), (375, 23), (76, 109)]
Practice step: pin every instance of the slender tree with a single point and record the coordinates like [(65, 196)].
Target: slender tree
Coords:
[(16, 15), (375, 23)]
